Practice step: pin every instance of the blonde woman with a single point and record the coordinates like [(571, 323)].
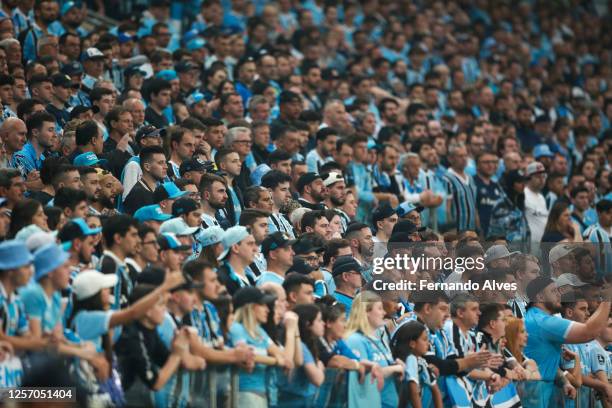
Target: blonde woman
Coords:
[(251, 311), (366, 338)]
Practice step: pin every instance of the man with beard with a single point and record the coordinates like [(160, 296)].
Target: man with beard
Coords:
[(312, 191), (343, 154), (120, 234), (388, 181), (322, 153), (228, 161), (41, 132), (213, 192), (548, 332), (91, 186), (110, 188), (154, 170), (258, 198), (257, 222), (279, 185), (362, 247), (45, 13), (13, 136), (336, 195)]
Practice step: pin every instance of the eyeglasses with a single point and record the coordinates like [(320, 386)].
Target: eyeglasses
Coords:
[(154, 243), (248, 142)]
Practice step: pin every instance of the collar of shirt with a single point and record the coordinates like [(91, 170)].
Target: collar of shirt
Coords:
[(114, 257), (4, 295)]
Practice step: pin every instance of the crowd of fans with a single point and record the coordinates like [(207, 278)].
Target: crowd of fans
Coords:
[(206, 186)]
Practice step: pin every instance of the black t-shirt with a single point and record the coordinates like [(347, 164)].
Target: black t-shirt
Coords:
[(141, 354), (41, 196), (159, 121), (138, 197)]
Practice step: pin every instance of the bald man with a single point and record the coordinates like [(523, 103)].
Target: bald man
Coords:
[(13, 135), (335, 116)]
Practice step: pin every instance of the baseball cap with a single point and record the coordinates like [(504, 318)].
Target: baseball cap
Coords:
[(76, 228), (331, 178), (72, 68), (194, 99), (515, 176), (14, 254), (125, 37), (195, 164), (329, 74), (232, 236), (151, 213), (196, 44), (535, 168), (183, 206), (134, 70), (288, 97), (62, 80), (344, 264), (274, 241), (177, 226), (251, 294), (167, 74), (185, 66), (91, 54), (406, 227), (301, 266), (168, 241), (27, 231), (306, 179), (154, 275), (88, 159), (40, 239), (69, 5), (603, 205), (497, 252), (148, 131), (542, 150), (305, 246), (79, 109), (570, 279), (89, 282), (406, 207), (559, 251), (47, 259), (210, 236), (381, 212), (167, 190)]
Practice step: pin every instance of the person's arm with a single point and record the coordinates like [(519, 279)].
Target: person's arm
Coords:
[(140, 308), (585, 332), (25, 342), (241, 354), (601, 378), (35, 327), (436, 396), (414, 394), (533, 373), (292, 341), (574, 374), (315, 372)]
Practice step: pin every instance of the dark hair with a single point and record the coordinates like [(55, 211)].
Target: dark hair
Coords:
[(332, 248), (273, 178), (324, 133), (144, 229), (248, 216), (553, 217), (207, 181), (331, 309), (26, 106), (307, 314), (85, 132), (224, 307), (294, 280), (156, 85), (54, 215), (422, 297), (147, 153), (67, 197), (22, 215), (114, 114), (97, 93), (61, 171), (222, 154), (194, 269), (36, 121), (250, 196), (275, 331), (49, 168), (310, 219), (488, 312), (400, 342), (117, 224), (278, 156)]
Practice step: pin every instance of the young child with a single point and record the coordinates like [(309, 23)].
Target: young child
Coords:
[(419, 389)]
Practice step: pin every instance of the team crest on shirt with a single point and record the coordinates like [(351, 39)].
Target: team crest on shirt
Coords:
[(600, 359)]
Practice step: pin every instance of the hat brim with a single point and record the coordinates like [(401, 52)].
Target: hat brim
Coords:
[(161, 218), (54, 264), (178, 195)]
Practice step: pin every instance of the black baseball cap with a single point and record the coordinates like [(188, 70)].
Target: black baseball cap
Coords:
[(72, 68), (288, 97), (148, 131), (381, 212), (194, 164), (185, 66), (306, 179), (251, 294), (301, 266), (344, 264), (183, 206), (62, 80), (134, 70), (305, 246), (406, 227), (274, 241), (536, 286), (77, 110)]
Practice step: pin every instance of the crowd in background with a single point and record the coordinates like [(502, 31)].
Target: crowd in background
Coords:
[(205, 186)]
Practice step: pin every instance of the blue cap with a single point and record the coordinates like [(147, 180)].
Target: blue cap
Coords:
[(210, 236), (232, 236), (69, 5), (542, 150), (151, 213), (259, 172), (177, 226), (406, 207), (167, 74), (14, 254), (196, 44), (47, 259), (88, 159), (75, 228), (124, 37), (168, 190), (194, 98), (170, 241)]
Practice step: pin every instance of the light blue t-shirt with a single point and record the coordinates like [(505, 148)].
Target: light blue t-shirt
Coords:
[(38, 306), (254, 381), (297, 384), (546, 335), (91, 325), (417, 371), (268, 276), (373, 349)]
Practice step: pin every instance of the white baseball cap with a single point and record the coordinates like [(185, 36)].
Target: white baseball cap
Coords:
[(569, 279), (90, 282), (559, 251)]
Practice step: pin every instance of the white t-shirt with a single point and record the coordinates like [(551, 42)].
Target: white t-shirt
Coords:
[(536, 213)]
